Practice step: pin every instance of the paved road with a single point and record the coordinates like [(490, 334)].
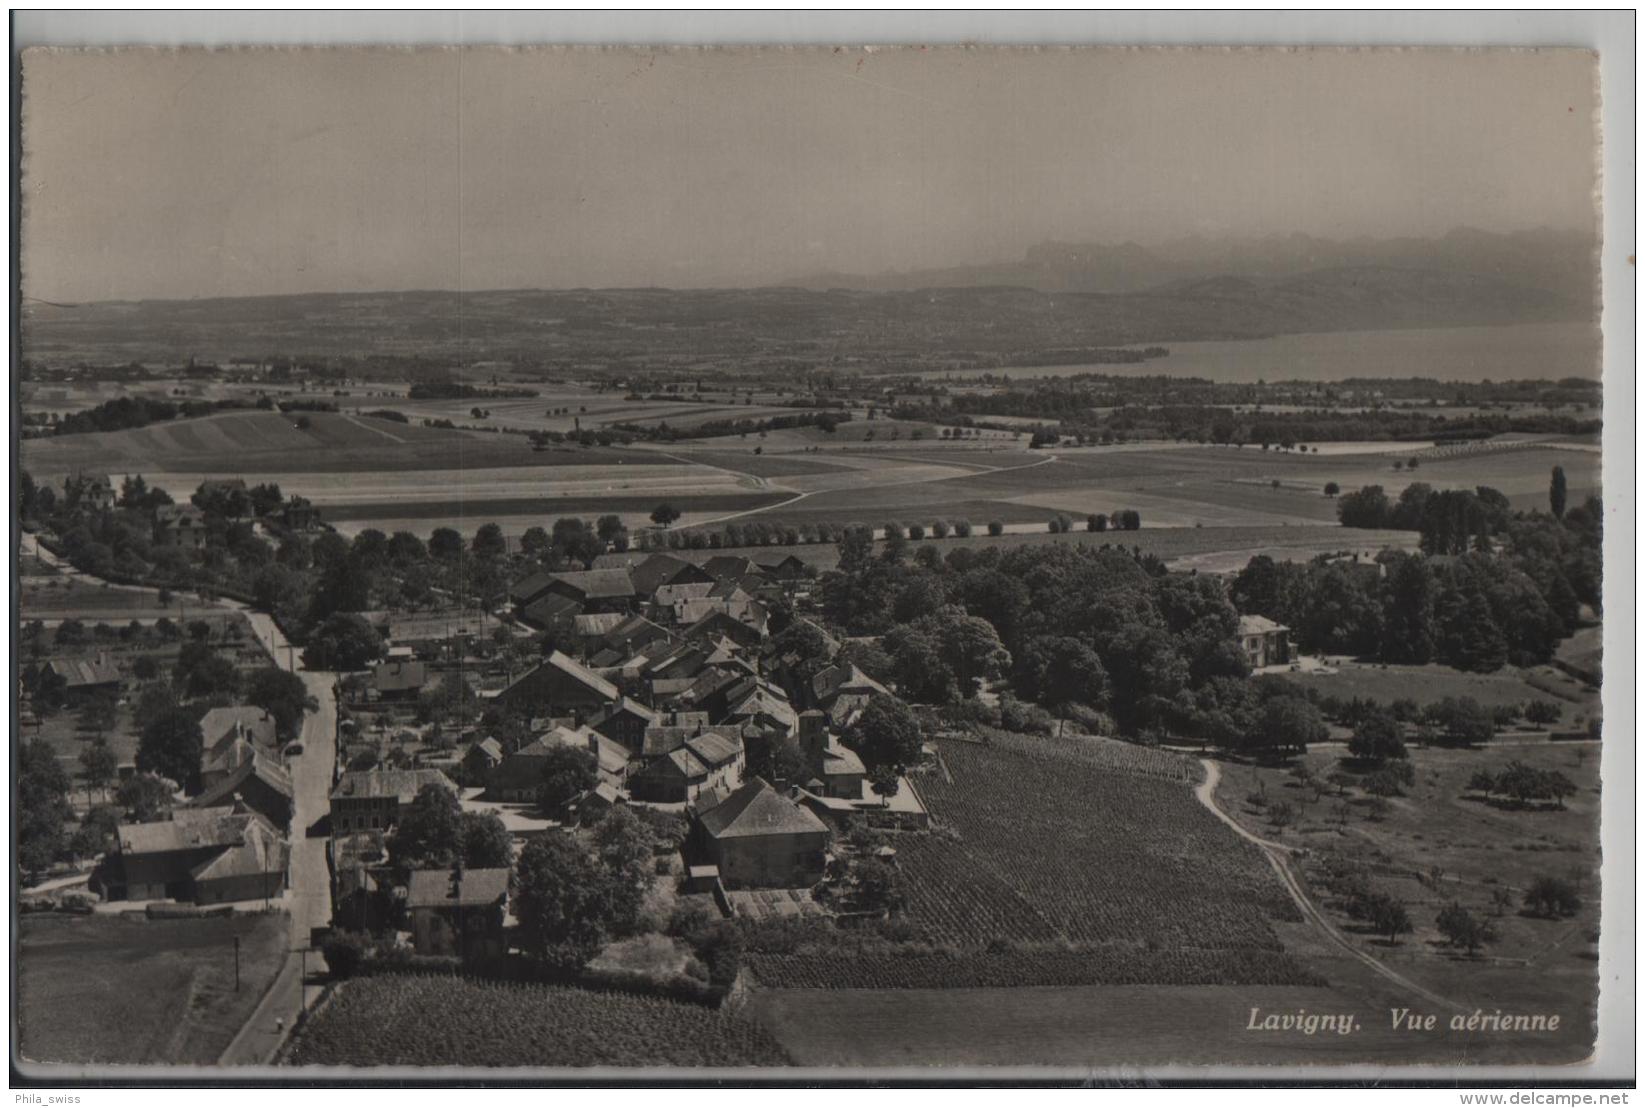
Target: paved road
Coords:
[(308, 899)]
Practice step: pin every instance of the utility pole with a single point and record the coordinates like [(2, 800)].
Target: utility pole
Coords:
[(236, 963)]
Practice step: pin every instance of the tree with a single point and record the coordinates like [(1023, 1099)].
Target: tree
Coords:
[(886, 733), (428, 834), (563, 900), (535, 541), (568, 772), (97, 834), (98, 764), (1557, 492), (1058, 670), (664, 515), (1367, 508), (1377, 738), (483, 841), (1463, 929), (1386, 915), (283, 696), (344, 641), (445, 544), (41, 806), (202, 671), (489, 542), (1553, 897), (144, 797), (1542, 712), (1332, 488), (1289, 723), (170, 746), (623, 844), (878, 885)]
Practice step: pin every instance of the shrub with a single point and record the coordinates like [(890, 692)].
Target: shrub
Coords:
[(1096, 521), (1019, 715), (1553, 897), (996, 527), (916, 531), (962, 528), (344, 951), (939, 529)]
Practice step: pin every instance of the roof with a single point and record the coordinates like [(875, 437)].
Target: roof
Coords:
[(834, 680), (444, 888), (398, 676), (728, 565), (259, 765), (660, 569), (259, 852), (669, 595), (598, 584), (530, 587), (206, 827), (703, 614), (1259, 625), (80, 672), (757, 809), (253, 723), (762, 701), (490, 748), (597, 623), (839, 760), (550, 606), (173, 513), (403, 784), (683, 760), (714, 749), (625, 704), (573, 669)]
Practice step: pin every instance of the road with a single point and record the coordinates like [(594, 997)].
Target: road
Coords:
[(1278, 855), (307, 900)]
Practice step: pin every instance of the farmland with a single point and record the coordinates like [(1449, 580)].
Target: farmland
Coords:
[(113, 989), (447, 1021), (1155, 891), (1443, 842)]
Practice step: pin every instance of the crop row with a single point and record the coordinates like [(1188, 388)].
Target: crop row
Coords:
[(1102, 753), (394, 1020)]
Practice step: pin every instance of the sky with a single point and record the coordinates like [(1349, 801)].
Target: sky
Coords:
[(157, 174)]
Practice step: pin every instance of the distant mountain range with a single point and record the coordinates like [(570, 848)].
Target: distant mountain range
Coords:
[(1055, 307), (1559, 262)]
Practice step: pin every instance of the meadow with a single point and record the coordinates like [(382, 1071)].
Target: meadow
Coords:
[(118, 989), (448, 1021)]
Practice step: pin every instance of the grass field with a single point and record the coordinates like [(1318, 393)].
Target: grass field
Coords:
[(64, 597), (1347, 680), (113, 989), (446, 1021), (1443, 843)]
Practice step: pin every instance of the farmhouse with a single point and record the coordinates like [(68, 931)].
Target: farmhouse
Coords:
[(624, 721), (560, 686), (548, 609), (86, 678), (181, 525), (370, 800), (458, 911), (659, 570), (529, 588), (258, 783), (1265, 642), (399, 679), (242, 721), (207, 856), (711, 760), (596, 590), (758, 838)]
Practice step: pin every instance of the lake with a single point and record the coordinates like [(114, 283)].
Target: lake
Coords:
[(1550, 350)]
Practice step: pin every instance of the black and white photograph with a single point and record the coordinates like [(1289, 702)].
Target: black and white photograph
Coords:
[(760, 560)]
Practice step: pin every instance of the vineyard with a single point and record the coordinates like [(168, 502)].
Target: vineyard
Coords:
[(1073, 861), (449, 1021)]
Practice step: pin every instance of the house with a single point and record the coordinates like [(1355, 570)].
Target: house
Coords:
[(658, 570), (843, 690), (86, 678), (206, 856), (596, 590), (529, 588), (479, 760), (181, 525), (635, 633), (710, 760), (259, 783), (611, 758), (759, 838), (370, 800), (758, 702), (1264, 642), (242, 721), (591, 628), (299, 514), (721, 566), (458, 911), (548, 610), (744, 622), (836, 771), (519, 777), (790, 567), (95, 491), (559, 686), (624, 721), (399, 679)]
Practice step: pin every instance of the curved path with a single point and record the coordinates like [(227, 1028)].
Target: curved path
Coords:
[(1278, 855)]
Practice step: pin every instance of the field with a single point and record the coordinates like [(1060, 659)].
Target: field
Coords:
[(112, 989), (64, 597), (1347, 680), (1068, 862), (1443, 843), (447, 1021)]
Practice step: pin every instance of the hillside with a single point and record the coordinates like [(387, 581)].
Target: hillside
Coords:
[(621, 331)]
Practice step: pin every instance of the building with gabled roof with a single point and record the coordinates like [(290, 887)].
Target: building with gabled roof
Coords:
[(201, 855), (561, 685), (624, 720), (371, 800), (658, 570), (87, 678), (458, 911), (706, 759), (529, 588), (548, 609), (842, 690), (1265, 642), (259, 783), (760, 839), (399, 679)]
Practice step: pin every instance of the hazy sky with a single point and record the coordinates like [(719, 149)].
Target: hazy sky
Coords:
[(154, 174)]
